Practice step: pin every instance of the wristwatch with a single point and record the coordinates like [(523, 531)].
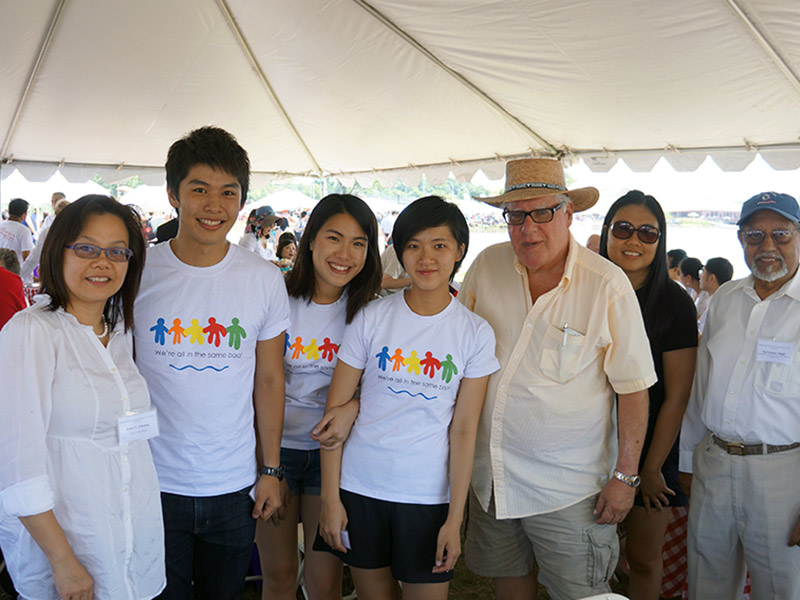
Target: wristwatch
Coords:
[(631, 480), (273, 471)]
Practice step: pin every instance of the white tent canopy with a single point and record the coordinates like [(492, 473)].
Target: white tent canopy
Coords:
[(388, 88)]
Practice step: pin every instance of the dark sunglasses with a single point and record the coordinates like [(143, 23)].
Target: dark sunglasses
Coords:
[(622, 230)]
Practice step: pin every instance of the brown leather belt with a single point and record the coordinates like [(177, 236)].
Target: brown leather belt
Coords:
[(739, 449)]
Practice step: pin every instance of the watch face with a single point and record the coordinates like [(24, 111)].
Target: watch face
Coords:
[(636, 480)]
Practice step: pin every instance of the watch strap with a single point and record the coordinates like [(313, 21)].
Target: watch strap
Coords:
[(273, 471)]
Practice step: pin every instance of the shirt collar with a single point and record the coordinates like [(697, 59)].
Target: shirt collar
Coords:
[(791, 288), (569, 267)]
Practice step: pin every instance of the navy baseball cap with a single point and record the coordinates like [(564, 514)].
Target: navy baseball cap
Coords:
[(783, 204)]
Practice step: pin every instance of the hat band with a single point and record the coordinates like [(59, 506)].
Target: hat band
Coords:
[(524, 186)]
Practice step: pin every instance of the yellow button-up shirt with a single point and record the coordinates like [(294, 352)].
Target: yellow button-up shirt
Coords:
[(548, 434)]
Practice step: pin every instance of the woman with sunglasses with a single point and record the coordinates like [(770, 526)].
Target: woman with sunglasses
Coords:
[(80, 510), (634, 238)]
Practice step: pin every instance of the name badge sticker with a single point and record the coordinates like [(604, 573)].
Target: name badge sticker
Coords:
[(139, 426), (775, 352)]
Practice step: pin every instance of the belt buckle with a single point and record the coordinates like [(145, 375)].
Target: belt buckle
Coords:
[(735, 449)]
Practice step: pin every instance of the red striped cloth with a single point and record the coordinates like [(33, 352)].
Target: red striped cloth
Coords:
[(674, 582)]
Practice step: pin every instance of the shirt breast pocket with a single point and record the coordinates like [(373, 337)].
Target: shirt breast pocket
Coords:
[(562, 353), (777, 379)]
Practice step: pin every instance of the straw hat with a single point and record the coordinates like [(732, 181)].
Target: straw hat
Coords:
[(536, 177)]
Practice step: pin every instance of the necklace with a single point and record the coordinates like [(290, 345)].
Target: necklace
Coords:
[(105, 328)]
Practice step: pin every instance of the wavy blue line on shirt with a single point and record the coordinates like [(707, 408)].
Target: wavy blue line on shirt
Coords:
[(196, 369), (410, 394)]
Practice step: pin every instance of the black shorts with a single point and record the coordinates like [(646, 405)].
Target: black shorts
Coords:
[(392, 534)]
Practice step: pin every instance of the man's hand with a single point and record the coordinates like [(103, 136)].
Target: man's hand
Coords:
[(615, 500), (268, 497), (794, 539)]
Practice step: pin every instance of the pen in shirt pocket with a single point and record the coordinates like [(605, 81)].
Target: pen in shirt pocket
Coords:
[(568, 331)]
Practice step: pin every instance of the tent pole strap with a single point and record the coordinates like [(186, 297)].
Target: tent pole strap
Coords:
[(223, 5), (32, 77)]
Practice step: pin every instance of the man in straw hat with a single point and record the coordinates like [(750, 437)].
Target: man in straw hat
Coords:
[(741, 431), (551, 479)]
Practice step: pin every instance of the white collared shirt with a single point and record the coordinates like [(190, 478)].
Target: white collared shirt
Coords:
[(63, 392), (740, 393), (548, 432)]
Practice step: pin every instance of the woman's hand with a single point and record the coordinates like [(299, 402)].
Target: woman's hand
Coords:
[(72, 580), (332, 521), (333, 429), (448, 546), (654, 490)]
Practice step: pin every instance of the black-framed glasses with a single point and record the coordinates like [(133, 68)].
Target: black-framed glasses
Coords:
[(622, 230), (538, 215), (756, 237), (114, 253)]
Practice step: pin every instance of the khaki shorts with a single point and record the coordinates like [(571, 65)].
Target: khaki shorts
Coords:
[(576, 556)]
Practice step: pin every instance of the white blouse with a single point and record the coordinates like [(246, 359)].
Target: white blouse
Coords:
[(62, 394), (249, 241)]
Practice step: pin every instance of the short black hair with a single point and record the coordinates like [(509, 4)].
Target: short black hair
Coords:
[(210, 146), (691, 266), (66, 229), (427, 212), (17, 207), (674, 257), (719, 267)]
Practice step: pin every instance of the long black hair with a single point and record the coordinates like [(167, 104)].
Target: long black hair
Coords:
[(65, 230), (657, 282), (301, 281)]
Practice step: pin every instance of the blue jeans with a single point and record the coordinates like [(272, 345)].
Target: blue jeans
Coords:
[(208, 540)]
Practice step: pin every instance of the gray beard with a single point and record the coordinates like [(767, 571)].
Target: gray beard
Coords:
[(773, 275)]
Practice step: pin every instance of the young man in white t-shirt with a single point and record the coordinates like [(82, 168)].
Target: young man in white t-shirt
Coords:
[(209, 329), (14, 234)]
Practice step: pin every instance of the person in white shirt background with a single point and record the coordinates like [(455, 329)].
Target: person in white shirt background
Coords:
[(716, 271), (740, 438), (14, 234), (81, 511)]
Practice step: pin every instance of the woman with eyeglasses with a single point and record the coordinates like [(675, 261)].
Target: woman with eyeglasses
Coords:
[(80, 511), (634, 238)]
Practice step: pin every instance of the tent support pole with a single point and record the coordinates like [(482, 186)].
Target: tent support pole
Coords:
[(455, 74), (764, 43), (32, 77), (223, 5)]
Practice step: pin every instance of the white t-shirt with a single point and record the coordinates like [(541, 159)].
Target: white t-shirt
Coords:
[(312, 343), (196, 330), (17, 237), (399, 446), (249, 241), (62, 395)]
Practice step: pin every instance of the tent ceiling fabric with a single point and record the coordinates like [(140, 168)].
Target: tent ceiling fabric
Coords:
[(387, 88)]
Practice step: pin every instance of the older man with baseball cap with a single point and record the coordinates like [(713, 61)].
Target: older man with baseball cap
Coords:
[(556, 457), (741, 430)]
